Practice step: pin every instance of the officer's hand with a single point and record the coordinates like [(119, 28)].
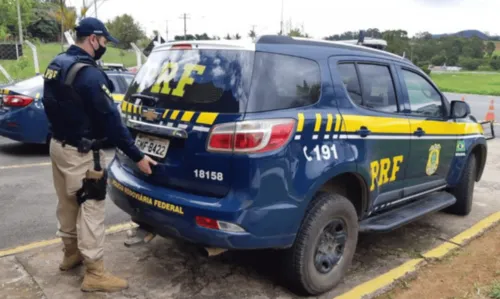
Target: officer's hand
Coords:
[(144, 165)]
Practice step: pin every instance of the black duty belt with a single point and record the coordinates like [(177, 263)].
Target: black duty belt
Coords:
[(83, 145)]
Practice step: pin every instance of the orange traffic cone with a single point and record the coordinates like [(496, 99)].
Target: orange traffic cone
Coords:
[(490, 115)]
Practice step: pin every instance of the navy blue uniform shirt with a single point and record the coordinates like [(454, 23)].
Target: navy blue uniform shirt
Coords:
[(94, 88)]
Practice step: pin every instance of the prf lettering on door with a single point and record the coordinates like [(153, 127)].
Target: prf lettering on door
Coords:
[(384, 170)]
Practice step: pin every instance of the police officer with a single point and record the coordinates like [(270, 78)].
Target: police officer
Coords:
[(80, 110)]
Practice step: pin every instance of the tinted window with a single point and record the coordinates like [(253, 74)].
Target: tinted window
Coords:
[(351, 82), (116, 83), (209, 80), (377, 88), (282, 82), (424, 99)]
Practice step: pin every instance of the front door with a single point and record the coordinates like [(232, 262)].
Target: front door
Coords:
[(434, 138)]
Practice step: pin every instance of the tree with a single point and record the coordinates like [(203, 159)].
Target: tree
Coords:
[(252, 34), (8, 16), (490, 48), (297, 33), (126, 30), (228, 36), (237, 36)]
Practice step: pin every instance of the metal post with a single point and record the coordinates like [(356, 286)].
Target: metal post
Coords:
[(138, 54), (95, 7), (35, 57), (4, 72), (19, 22)]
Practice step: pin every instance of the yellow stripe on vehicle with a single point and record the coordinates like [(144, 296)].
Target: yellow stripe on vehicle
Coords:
[(300, 125), (317, 125), (338, 120), (329, 122), (135, 109), (129, 108), (377, 124), (433, 127), (140, 110), (174, 115), (187, 116), (207, 118), (165, 114), (124, 106)]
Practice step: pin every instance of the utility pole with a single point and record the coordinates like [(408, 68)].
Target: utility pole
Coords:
[(281, 24), (167, 33), (20, 24), (95, 7), (185, 17)]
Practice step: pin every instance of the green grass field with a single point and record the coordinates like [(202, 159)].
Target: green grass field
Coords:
[(472, 83), (24, 68)]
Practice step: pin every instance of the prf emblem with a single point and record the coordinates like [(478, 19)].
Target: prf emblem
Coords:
[(433, 160), (150, 115)]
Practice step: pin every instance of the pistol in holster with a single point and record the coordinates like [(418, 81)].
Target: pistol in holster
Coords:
[(94, 183)]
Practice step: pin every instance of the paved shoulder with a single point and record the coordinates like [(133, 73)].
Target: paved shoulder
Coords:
[(15, 282)]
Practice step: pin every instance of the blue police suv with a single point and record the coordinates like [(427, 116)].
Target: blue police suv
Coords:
[(22, 117), (292, 144)]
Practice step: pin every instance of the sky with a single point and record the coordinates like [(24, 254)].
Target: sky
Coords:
[(318, 18)]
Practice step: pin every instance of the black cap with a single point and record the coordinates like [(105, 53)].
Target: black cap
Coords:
[(90, 26)]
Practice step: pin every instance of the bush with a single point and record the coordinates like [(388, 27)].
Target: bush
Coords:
[(495, 63), (426, 69), (438, 60), (470, 64)]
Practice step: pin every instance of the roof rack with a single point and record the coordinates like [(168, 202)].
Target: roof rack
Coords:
[(113, 66)]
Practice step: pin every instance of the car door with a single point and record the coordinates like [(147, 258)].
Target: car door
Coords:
[(375, 126), (433, 142)]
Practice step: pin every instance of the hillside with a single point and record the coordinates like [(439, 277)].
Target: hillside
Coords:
[(465, 34)]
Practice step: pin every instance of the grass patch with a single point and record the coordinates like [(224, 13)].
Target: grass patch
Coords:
[(472, 83), (24, 67), (495, 291)]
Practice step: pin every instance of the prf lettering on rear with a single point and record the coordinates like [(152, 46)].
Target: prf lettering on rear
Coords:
[(384, 170), (169, 71)]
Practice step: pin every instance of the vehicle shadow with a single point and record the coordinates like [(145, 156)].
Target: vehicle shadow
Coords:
[(19, 149)]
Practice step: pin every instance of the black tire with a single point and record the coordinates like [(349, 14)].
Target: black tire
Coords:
[(304, 263), (464, 191)]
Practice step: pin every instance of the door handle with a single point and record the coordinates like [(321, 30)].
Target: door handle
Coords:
[(363, 131), (419, 132)]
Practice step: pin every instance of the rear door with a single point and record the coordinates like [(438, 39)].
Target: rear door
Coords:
[(171, 106), (376, 125)]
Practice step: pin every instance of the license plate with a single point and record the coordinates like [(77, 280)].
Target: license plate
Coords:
[(152, 146)]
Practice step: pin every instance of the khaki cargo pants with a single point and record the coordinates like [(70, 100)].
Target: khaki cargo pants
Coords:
[(85, 222)]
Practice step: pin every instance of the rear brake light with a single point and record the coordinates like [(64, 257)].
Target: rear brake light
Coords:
[(218, 225), (182, 46), (254, 136), (17, 101)]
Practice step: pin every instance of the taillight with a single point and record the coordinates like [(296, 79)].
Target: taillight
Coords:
[(182, 46), (254, 136), (17, 101)]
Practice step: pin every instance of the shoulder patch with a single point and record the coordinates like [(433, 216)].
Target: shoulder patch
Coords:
[(51, 73), (106, 90)]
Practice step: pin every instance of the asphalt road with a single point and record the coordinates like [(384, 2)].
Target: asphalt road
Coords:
[(27, 196)]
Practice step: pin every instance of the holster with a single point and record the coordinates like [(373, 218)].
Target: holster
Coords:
[(94, 183)]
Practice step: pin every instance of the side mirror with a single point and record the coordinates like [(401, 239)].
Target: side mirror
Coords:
[(459, 109)]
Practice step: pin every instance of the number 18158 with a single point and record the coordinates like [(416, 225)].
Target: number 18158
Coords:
[(208, 175)]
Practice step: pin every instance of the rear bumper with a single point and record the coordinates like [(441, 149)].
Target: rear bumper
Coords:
[(172, 214), (27, 125)]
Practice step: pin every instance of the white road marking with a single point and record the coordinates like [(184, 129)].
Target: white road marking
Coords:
[(25, 165)]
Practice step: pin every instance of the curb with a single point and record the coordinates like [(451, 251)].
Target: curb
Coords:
[(385, 282), (109, 231)]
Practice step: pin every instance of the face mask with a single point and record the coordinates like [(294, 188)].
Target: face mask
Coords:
[(99, 52)]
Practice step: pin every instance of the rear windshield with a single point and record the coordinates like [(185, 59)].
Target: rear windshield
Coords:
[(226, 81), (30, 87)]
